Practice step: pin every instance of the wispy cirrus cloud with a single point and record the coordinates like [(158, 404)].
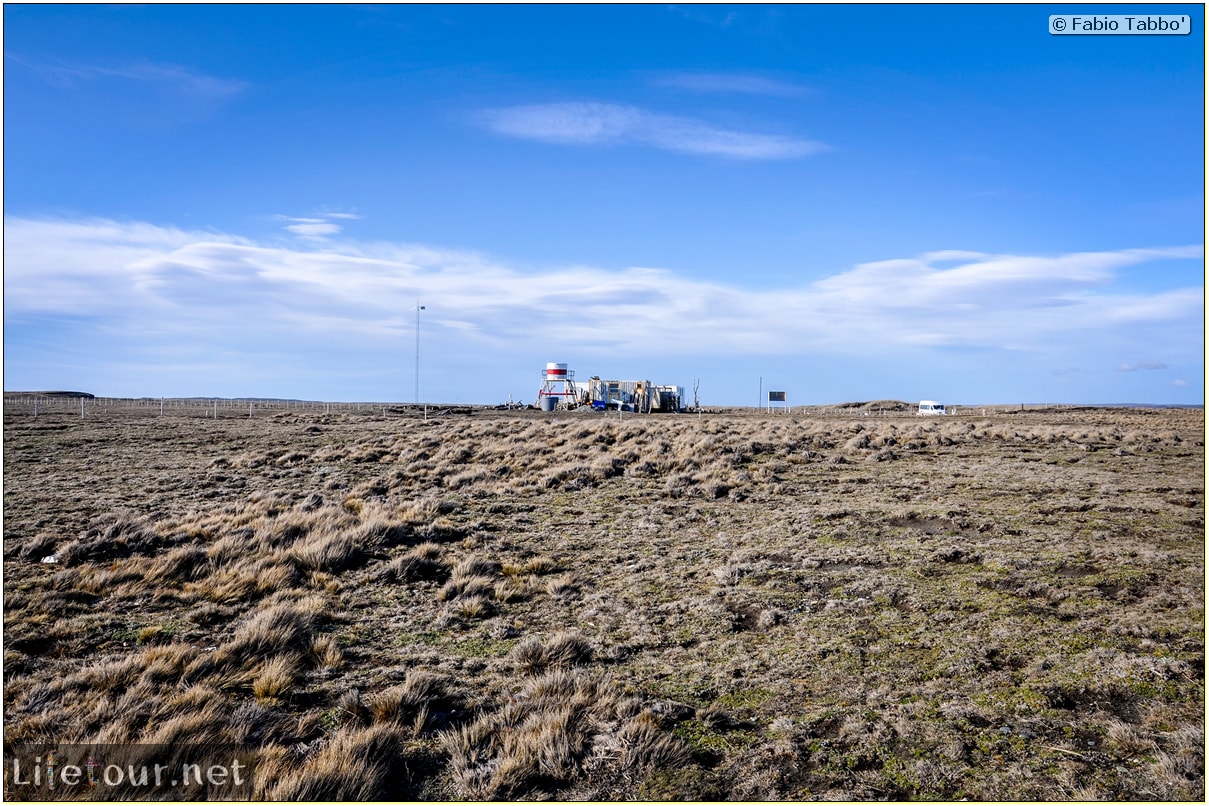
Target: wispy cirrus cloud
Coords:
[(1145, 365), (168, 77), (739, 83), (588, 123), (705, 15)]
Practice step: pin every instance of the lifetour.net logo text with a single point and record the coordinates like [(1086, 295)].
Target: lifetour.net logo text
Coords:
[(127, 772)]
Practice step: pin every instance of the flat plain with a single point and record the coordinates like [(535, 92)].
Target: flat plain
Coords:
[(498, 605)]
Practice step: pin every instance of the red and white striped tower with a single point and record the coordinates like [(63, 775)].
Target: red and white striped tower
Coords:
[(558, 386)]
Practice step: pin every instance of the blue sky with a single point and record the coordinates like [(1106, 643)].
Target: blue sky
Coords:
[(844, 202)]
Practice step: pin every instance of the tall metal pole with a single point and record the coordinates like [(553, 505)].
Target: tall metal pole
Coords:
[(419, 308)]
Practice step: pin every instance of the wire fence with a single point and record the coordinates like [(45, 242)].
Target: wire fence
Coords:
[(40, 405), (221, 408)]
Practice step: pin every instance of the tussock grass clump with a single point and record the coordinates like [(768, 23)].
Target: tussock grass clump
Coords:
[(425, 561), (276, 677), (679, 485), (474, 566), (459, 587), (35, 548), (114, 535), (610, 467), (382, 532), (326, 654), (562, 586), (284, 529), (102, 580), (351, 703), (474, 607), (558, 727), (510, 590), (355, 764), (50, 727), (275, 629), (209, 613), (247, 580), (532, 655), (107, 676), (541, 565), (206, 725), (426, 509), (442, 529), (179, 564), (422, 699), (234, 546), (538, 565), (325, 551), (642, 744), (470, 478), (859, 442), (567, 477)]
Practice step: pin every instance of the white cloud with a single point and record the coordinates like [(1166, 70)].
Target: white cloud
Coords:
[(705, 15), (182, 78), (1143, 365), (605, 124), (138, 277), (88, 265), (733, 83), (1179, 382), (951, 255), (316, 227), (313, 229), (982, 287), (567, 122), (173, 77)]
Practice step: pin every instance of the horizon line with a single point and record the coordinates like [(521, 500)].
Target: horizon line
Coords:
[(75, 395)]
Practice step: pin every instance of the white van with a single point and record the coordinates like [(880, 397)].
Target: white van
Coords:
[(928, 408)]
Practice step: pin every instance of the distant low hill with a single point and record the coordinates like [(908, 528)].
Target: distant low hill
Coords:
[(87, 395), (879, 405)]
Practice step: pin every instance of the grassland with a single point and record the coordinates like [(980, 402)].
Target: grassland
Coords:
[(517, 605)]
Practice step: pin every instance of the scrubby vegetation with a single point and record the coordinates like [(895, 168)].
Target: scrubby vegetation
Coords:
[(522, 605)]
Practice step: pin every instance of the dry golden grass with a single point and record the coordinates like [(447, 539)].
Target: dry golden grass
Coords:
[(518, 605), (352, 765)]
